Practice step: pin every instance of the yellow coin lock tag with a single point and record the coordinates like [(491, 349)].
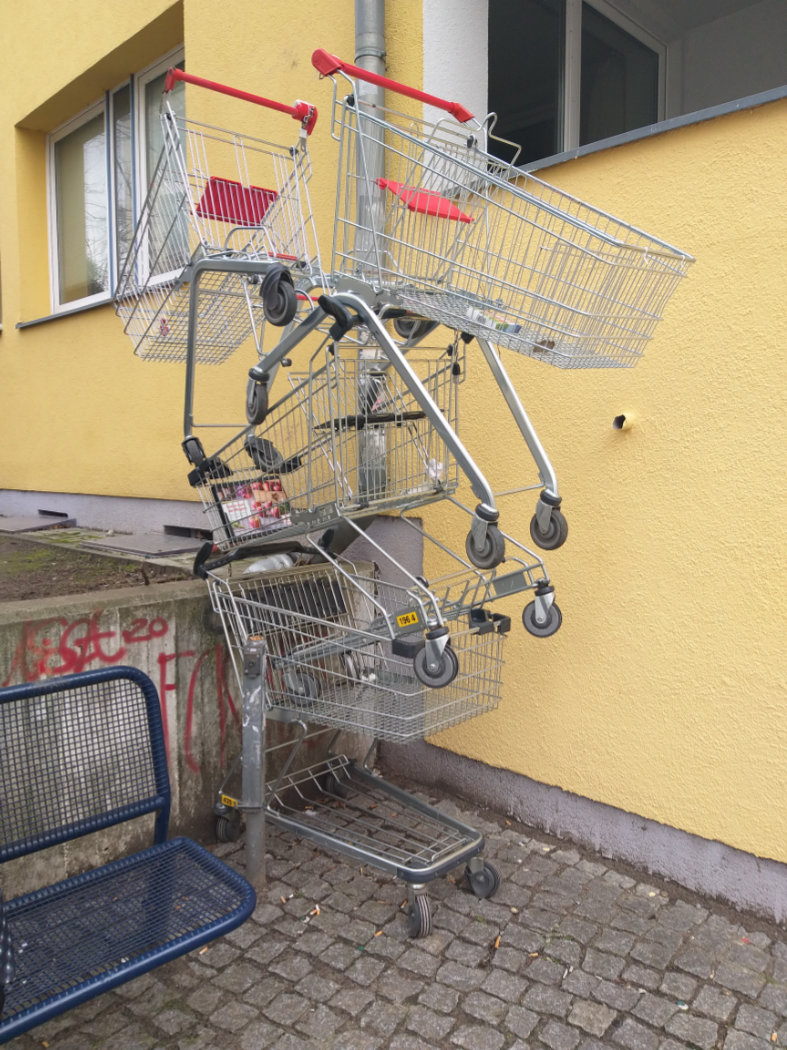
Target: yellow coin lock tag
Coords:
[(407, 619), (227, 800)]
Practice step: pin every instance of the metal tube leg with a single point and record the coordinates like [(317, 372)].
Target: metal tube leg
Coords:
[(253, 752)]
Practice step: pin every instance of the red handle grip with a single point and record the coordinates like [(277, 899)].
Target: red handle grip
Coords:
[(301, 111), (327, 64)]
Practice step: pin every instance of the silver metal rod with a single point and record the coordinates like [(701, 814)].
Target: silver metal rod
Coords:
[(537, 451)]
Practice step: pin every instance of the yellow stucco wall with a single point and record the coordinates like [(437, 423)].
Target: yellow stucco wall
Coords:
[(665, 692)]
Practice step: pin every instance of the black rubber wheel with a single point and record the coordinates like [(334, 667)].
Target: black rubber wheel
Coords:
[(279, 299), (556, 533), (492, 551), (301, 688), (228, 828), (419, 917), (542, 630), (256, 402), (446, 672), (483, 883), (333, 786), (413, 327)]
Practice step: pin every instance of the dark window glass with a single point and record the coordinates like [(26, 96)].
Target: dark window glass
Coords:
[(525, 75), (619, 80)]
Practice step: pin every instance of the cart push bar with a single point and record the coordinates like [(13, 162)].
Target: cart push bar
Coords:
[(327, 64), (304, 112)]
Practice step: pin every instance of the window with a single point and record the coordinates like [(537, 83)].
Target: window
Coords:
[(99, 165), (568, 73)]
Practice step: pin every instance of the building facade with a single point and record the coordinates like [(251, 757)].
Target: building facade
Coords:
[(653, 723)]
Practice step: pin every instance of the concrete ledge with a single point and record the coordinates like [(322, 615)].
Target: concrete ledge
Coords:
[(754, 884)]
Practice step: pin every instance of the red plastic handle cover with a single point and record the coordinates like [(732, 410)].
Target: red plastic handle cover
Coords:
[(300, 111), (327, 64)]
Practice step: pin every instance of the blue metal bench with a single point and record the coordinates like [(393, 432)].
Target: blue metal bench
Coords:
[(79, 754)]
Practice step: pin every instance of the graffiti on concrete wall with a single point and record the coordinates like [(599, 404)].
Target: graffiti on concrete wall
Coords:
[(55, 646)]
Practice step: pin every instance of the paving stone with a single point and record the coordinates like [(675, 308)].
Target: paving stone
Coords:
[(404, 1041), (564, 950), (438, 997), (635, 1036), (319, 1023), (381, 1017), (319, 989), (678, 985), (739, 980), (580, 983), (484, 1007), (284, 1009), (477, 1037), (736, 1040), (352, 1000), (545, 971), (463, 978), (521, 1021), (351, 1040), (559, 1036), (655, 1009), (618, 996), (652, 953), (235, 1015), (506, 986), (543, 998), (419, 962), (774, 997), (616, 941), (429, 1024), (642, 976), (695, 1030), (579, 929), (591, 1017), (603, 964), (756, 1020), (365, 970), (716, 1003), (398, 986)]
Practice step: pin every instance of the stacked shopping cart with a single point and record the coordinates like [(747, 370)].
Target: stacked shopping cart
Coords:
[(354, 412)]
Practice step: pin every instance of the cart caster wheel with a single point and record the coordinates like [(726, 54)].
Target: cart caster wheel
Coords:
[(542, 630), (556, 533), (419, 917), (279, 298), (302, 689), (228, 828), (483, 883), (492, 550), (413, 328), (446, 672), (256, 402), (333, 786)]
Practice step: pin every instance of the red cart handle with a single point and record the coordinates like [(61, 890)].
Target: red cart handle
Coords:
[(302, 111), (326, 65)]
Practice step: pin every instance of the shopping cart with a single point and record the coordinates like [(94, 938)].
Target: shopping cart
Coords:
[(336, 801), (361, 430), (216, 194), (455, 235)]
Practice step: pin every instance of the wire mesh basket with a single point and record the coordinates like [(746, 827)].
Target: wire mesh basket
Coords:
[(341, 650), (458, 236), (347, 437), (215, 194)]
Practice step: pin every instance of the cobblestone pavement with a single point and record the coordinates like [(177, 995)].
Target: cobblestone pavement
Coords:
[(573, 952)]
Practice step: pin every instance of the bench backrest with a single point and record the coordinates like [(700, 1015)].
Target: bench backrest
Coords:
[(77, 754)]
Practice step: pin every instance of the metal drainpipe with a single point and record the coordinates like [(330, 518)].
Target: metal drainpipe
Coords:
[(370, 55)]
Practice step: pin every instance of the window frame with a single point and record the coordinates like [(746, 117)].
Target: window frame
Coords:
[(74, 124), (572, 64), (105, 106)]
